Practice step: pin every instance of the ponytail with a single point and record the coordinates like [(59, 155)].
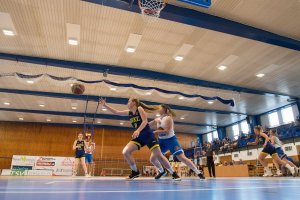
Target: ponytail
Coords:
[(169, 111), (146, 107)]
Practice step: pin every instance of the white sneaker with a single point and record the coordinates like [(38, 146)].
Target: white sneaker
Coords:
[(87, 175), (267, 174), (278, 173), (293, 172)]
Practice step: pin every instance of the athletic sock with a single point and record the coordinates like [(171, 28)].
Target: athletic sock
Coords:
[(171, 170), (267, 169), (133, 168), (197, 171), (159, 166), (289, 167)]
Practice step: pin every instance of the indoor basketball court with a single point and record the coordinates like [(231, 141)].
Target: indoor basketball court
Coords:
[(151, 99)]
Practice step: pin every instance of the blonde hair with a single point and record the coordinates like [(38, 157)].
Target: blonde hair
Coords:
[(258, 128), (146, 107), (169, 111)]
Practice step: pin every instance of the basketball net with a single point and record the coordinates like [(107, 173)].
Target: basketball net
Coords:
[(150, 9)]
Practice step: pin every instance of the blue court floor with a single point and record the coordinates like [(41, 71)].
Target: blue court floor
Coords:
[(58, 188)]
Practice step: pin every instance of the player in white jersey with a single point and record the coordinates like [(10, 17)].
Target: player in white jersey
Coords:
[(278, 145), (167, 140)]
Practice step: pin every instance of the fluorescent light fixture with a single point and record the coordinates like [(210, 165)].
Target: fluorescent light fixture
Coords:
[(42, 105), (73, 34), (182, 52), (157, 115), (74, 108), (7, 24), (30, 82), (113, 89), (48, 120), (74, 121), (21, 118), (8, 32), (73, 42), (181, 97), (99, 122), (132, 42), (260, 75), (178, 58), (104, 109), (210, 102), (148, 93), (222, 67), (6, 103), (130, 50), (121, 123), (182, 118)]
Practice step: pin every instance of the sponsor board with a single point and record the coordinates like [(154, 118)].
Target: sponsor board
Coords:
[(39, 173), (60, 166), (18, 160), (18, 172), (44, 162), (22, 167), (5, 172), (63, 172)]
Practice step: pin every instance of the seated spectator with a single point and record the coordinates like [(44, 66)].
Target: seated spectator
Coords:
[(241, 162)]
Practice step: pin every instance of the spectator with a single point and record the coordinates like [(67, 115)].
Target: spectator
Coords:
[(210, 160), (241, 162)]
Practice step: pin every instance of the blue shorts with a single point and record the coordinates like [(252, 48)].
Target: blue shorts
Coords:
[(88, 158), (280, 153), (170, 144)]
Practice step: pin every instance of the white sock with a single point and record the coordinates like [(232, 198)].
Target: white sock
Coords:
[(159, 166), (133, 167), (267, 169), (197, 171), (161, 170), (289, 167), (171, 170)]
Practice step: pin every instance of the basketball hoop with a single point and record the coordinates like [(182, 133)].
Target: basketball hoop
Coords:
[(150, 9)]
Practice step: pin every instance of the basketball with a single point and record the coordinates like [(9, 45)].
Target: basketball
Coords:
[(78, 88)]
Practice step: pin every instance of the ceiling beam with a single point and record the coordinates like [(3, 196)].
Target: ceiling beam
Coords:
[(132, 72), (210, 22), (114, 100), (88, 115)]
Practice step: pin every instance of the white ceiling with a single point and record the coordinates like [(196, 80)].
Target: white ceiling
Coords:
[(41, 31)]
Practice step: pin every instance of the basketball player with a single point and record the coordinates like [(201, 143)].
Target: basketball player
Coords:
[(91, 147), (278, 145), (268, 149), (167, 140), (142, 136), (79, 146)]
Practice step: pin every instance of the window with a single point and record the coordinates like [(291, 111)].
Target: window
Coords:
[(245, 127), (236, 131), (209, 137), (273, 119), (287, 115), (215, 135)]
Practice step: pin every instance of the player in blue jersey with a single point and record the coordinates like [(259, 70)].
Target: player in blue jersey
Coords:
[(79, 146), (268, 149)]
